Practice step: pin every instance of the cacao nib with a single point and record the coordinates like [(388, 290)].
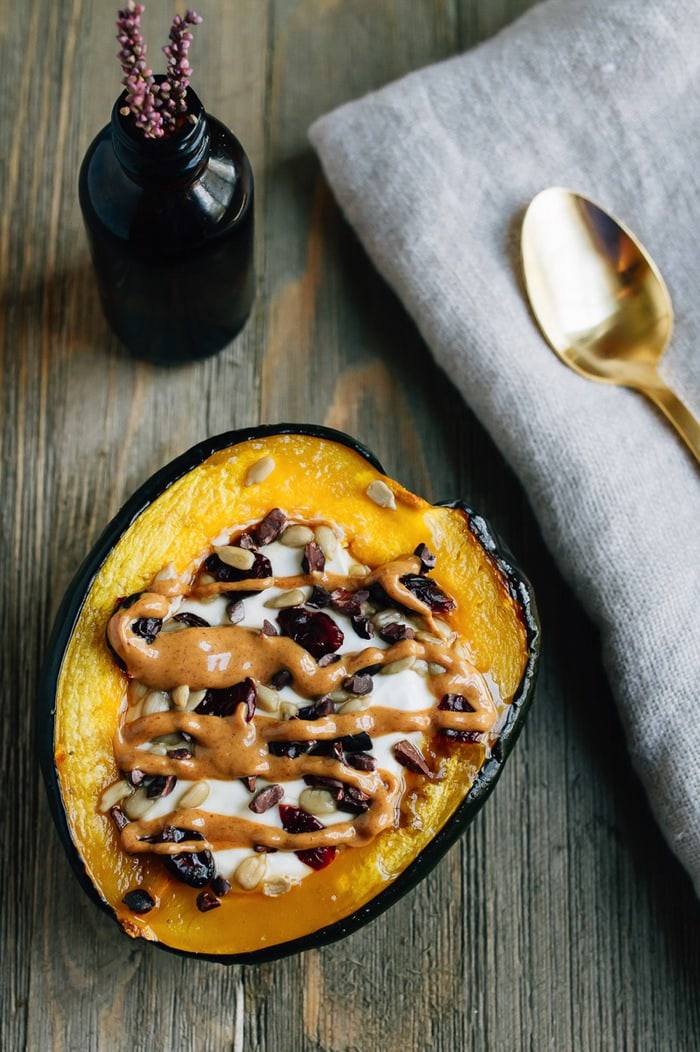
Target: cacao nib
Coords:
[(356, 742), (360, 684), (118, 817), (235, 611), (334, 749), (363, 626), (319, 597), (221, 571), (466, 737), (161, 785), (180, 754), (191, 620), (295, 820), (282, 678), (427, 559), (223, 701), (328, 659), (147, 627), (290, 749), (269, 529), (266, 798), (313, 630), (220, 886), (139, 900), (396, 631), (135, 777), (430, 593), (245, 541), (347, 602), (207, 900), (268, 629), (322, 707), (313, 560), (320, 781), (353, 800), (263, 849), (249, 782), (361, 761), (455, 703), (410, 757)]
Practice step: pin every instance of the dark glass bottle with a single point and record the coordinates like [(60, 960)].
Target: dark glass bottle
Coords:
[(170, 225)]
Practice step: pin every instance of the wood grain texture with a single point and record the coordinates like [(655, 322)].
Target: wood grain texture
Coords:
[(560, 920)]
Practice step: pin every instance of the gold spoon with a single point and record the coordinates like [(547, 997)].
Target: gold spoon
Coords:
[(600, 300)]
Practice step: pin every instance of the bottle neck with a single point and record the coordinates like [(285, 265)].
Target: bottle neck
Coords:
[(174, 158)]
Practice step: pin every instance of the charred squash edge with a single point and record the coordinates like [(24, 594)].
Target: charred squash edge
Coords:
[(69, 612)]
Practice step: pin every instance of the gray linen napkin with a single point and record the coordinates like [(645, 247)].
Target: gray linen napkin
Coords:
[(434, 173)]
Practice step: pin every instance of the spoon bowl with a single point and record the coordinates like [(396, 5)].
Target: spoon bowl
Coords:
[(600, 299)]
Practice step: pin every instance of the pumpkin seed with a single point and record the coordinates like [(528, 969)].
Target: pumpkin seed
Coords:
[(327, 540), (278, 885), (354, 705), (383, 618), (113, 794), (168, 573), (238, 558), (250, 871), (288, 710), (159, 749), (443, 629), (379, 492), (285, 599), (267, 699), (435, 669), (195, 795), (194, 699), (358, 570), (259, 471), (317, 801), (155, 702), (420, 666), (400, 665), (428, 637), (180, 695), (296, 536), (137, 805)]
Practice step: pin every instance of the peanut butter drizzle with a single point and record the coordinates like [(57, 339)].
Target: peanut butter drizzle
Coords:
[(231, 748)]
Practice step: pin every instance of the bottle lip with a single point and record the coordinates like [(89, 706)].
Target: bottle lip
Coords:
[(172, 156)]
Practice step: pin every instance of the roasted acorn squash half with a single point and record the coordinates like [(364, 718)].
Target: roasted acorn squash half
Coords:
[(276, 692)]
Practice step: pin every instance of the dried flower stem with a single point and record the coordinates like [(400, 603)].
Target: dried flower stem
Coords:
[(155, 107)]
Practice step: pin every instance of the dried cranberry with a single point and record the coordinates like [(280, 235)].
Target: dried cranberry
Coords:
[(207, 900), (295, 820), (428, 592), (269, 528), (191, 620), (139, 900), (410, 757), (147, 627), (313, 630), (347, 602), (223, 701), (313, 560), (221, 571), (195, 868), (266, 798)]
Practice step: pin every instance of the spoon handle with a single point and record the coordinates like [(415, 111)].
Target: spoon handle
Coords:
[(680, 416)]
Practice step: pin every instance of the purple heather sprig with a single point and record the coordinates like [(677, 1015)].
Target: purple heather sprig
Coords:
[(155, 107)]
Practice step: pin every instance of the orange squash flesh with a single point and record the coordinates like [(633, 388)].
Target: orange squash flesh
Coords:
[(313, 478)]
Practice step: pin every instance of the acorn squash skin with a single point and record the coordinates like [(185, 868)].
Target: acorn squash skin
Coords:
[(68, 616)]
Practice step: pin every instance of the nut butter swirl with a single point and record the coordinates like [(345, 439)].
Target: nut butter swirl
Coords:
[(229, 748)]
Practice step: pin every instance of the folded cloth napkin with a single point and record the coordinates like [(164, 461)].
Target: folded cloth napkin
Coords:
[(434, 173)]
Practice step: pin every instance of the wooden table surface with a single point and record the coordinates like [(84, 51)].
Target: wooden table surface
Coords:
[(560, 920)]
